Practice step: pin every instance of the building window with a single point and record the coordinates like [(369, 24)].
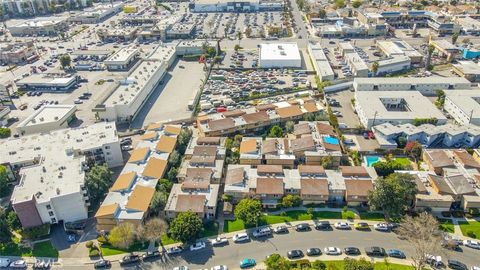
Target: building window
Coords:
[(107, 147), (50, 213), (49, 207), (54, 220)]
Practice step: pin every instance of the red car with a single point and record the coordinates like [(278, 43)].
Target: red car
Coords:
[(371, 135)]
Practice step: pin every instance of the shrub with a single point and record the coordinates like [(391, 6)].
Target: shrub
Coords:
[(446, 214), (89, 244), (36, 233), (94, 252), (457, 214), (474, 212), (471, 234), (102, 240), (283, 214), (310, 211)]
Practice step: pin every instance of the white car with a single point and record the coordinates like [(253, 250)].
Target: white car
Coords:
[(174, 250), (471, 244), (383, 227), (219, 267), (219, 241), (262, 232), (180, 268), (342, 226), (19, 264), (197, 246), (332, 251), (240, 237)]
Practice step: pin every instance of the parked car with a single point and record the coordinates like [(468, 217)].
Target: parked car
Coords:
[(219, 267), (19, 264), (262, 232), (383, 227), (332, 251), (219, 241), (362, 226), (129, 259), (246, 263), (323, 225), (302, 227), (174, 250), (150, 255), (351, 251), (342, 225), (375, 251), (471, 244), (197, 246), (182, 267), (280, 229), (314, 252), (454, 264), (102, 264), (295, 254), (240, 237), (395, 253)]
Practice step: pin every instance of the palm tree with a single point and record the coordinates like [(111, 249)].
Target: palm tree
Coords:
[(375, 67), (430, 50)]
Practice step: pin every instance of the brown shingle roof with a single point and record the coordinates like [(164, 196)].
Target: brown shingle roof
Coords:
[(440, 183), (140, 198), (264, 169), (234, 176), (234, 113), (205, 160), (466, 159), (310, 170), (311, 107), (353, 171), (166, 144), (221, 124), (325, 129), (139, 154), (106, 210), (256, 117), (199, 173), (439, 159), (269, 147), (154, 126), (201, 150), (196, 183), (174, 130), (190, 202), (358, 187), (302, 144), (314, 187), (270, 186), (208, 141), (124, 181), (248, 146), (266, 107), (149, 136), (155, 168), (301, 129), (290, 111)]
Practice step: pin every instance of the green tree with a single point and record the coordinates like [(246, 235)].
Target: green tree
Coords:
[(4, 190), (165, 185), (357, 3), (327, 162), (172, 174), (392, 194), (289, 126), (291, 201), (430, 50), (12, 221), (454, 38), (237, 47), (440, 101), (413, 149), (5, 234), (375, 67), (322, 13), (174, 158), (159, 200), (183, 139), (339, 3), (275, 132), (186, 227), (122, 236), (277, 262), (318, 265), (352, 264), (248, 210), (153, 230), (5, 132), (97, 182), (65, 61)]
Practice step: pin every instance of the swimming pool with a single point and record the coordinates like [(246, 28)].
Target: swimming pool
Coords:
[(331, 140), (370, 160)]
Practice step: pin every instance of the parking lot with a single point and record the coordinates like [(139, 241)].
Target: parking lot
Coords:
[(343, 108), (339, 65)]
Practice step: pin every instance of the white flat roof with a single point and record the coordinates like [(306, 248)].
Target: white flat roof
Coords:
[(412, 80), (468, 67), (279, 51), (53, 79), (48, 114), (466, 100), (123, 55), (356, 61), (41, 21)]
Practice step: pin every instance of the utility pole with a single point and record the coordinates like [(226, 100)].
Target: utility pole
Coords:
[(374, 118)]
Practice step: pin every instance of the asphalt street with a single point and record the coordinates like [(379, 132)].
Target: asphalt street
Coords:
[(232, 253)]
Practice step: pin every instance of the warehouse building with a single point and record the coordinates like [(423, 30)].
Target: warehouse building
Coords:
[(47, 118), (463, 106), (49, 82), (426, 86), (396, 64), (468, 70), (399, 107), (320, 63), (356, 64), (399, 48), (279, 55), (123, 59), (97, 13), (51, 184), (41, 26)]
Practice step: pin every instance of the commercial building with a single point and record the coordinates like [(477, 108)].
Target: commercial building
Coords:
[(51, 175), (47, 118), (133, 92), (236, 6), (470, 26), (121, 34), (320, 62), (393, 65), (426, 86), (15, 53), (445, 48), (49, 82), (356, 64), (279, 55), (463, 106), (131, 193), (97, 13), (40, 26), (468, 70), (398, 107), (446, 136), (255, 118), (4, 115), (345, 47), (123, 59), (399, 48)]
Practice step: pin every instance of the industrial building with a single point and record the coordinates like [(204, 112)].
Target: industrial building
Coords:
[(279, 55), (51, 169), (392, 65), (50, 26), (47, 118), (398, 107), (320, 63), (356, 64), (49, 82), (97, 13), (399, 48), (426, 85), (463, 106), (123, 59), (470, 26), (468, 70)]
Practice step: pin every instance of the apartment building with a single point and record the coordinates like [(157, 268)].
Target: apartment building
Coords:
[(463, 106), (47, 118), (255, 118), (437, 160), (468, 70), (51, 175), (448, 135), (130, 195), (198, 196)]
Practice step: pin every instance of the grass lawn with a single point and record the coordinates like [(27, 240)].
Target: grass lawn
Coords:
[(166, 240), (378, 266), (210, 229), (372, 216), (108, 250), (446, 225), (470, 229), (13, 249), (44, 249), (348, 214), (403, 161)]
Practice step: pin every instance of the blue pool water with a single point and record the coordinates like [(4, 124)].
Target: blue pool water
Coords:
[(331, 140), (370, 160)]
